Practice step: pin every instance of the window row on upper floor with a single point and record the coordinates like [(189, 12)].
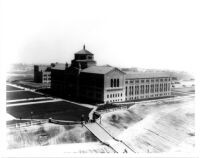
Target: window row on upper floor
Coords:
[(46, 75), (147, 80)]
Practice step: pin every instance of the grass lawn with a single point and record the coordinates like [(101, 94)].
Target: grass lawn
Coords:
[(60, 110), (22, 95), (11, 88)]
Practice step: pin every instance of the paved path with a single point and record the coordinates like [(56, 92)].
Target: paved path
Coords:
[(80, 104), (38, 102), (92, 112), (16, 86), (107, 139), (98, 132)]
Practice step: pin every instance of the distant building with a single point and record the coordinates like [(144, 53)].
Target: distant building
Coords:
[(86, 81), (42, 74)]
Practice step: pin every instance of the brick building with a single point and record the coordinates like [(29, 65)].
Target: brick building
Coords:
[(42, 74), (99, 82), (84, 80)]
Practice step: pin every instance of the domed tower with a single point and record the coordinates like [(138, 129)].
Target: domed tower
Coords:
[(83, 58)]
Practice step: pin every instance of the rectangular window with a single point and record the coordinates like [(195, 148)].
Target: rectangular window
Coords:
[(142, 89), (152, 88), (147, 89), (168, 86), (156, 88), (136, 90), (117, 82), (111, 83), (165, 88), (161, 87)]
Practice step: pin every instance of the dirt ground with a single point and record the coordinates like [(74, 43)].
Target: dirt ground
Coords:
[(145, 127), (162, 127), (48, 134)]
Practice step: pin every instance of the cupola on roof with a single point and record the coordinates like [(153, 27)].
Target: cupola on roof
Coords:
[(83, 51)]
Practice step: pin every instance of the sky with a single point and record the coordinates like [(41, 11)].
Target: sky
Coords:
[(123, 33)]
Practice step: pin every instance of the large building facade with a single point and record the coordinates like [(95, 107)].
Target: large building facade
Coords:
[(86, 81)]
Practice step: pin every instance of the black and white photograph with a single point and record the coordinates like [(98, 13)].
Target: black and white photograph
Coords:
[(104, 77)]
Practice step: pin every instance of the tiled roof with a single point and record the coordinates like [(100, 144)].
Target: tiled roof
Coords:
[(131, 75), (59, 66), (83, 51), (98, 69)]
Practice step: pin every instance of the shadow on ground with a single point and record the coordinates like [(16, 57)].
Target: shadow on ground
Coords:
[(60, 110)]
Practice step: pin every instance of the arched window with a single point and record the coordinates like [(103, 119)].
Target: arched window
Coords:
[(111, 83), (115, 83)]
